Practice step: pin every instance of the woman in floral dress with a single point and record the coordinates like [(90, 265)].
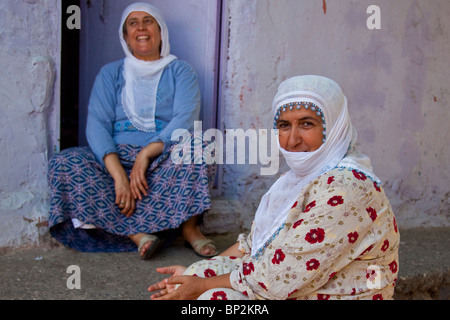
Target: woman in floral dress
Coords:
[(324, 230)]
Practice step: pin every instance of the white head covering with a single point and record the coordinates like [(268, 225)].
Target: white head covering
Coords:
[(325, 97), (142, 77)]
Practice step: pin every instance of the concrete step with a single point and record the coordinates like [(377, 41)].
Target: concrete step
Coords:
[(424, 271)]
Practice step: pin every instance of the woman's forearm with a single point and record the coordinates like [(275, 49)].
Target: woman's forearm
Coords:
[(114, 167), (232, 251), (222, 281), (154, 149)]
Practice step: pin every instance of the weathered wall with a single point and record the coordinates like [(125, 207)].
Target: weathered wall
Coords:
[(29, 111), (395, 78)]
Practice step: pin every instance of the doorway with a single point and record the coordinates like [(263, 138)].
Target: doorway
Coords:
[(70, 56), (194, 28)]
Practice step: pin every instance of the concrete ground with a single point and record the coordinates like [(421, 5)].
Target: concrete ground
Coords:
[(42, 273)]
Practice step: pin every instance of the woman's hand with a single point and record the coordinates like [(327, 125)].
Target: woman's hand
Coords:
[(124, 197), (190, 288), (138, 179), (162, 285)]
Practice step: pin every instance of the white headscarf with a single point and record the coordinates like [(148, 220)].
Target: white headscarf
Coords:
[(336, 151), (142, 77)]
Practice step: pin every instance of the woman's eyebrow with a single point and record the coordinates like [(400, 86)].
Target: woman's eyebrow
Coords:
[(307, 118), (145, 17)]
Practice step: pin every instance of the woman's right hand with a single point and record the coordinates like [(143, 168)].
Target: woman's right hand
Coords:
[(124, 197), (162, 286)]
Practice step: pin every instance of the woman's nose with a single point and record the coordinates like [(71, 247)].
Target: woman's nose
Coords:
[(295, 138)]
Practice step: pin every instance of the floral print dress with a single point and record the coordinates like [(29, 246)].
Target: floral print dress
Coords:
[(339, 241)]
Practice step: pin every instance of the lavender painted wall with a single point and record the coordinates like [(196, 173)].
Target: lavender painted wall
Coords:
[(395, 78), (29, 112)]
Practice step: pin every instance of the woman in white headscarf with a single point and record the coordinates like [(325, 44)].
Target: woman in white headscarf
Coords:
[(324, 230), (124, 190)]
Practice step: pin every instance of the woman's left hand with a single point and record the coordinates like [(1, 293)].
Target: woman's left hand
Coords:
[(138, 179)]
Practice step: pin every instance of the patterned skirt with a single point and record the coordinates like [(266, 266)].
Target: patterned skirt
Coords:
[(82, 189)]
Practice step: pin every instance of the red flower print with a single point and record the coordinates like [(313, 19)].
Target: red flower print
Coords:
[(233, 257), (385, 245), (359, 175), (372, 213), (376, 186), (248, 268), (315, 235), (395, 226), (371, 274), (262, 285), (393, 266), (296, 224), (278, 256), (332, 275), (295, 204), (310, 206), (353, 292), (219, 295), (210, 273), (352, 237), (290, 294), (323, 296), (330, 179), (312, 264), (377, 297), (336, 200)]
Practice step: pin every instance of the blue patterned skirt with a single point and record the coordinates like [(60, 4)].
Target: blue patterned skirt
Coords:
[(82, 189)]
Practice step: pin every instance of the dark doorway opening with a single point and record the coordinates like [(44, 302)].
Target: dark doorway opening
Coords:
[(70, 65)]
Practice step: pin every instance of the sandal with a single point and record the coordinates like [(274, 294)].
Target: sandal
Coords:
[(199, 244), (156, 244)]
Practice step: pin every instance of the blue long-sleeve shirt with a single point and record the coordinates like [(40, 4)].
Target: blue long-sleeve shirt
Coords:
[(177, 107)]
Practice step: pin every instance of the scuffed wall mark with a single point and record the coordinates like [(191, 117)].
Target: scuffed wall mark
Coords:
[(15, 200), (102, 12), (41, 224), (43, 75), (27, 220), (324, 6), (415, 47)]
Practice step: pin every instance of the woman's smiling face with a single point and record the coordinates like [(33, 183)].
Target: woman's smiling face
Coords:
[(143, 36), (300, 130)]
